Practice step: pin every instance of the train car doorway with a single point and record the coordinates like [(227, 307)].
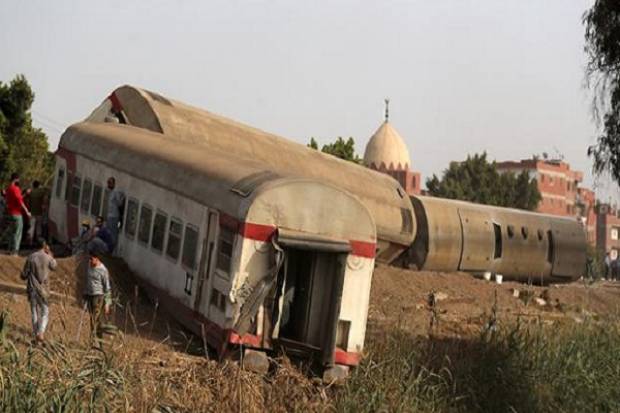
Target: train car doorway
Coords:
[(309, 289)]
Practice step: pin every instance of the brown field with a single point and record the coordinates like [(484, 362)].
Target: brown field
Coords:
[(152, 363)]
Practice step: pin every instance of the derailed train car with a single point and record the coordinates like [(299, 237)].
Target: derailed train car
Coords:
[(525, 246), (238, 255), (453, 235), (382, 195)]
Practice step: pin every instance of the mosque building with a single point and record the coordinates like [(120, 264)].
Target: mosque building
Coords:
[(387, 152)]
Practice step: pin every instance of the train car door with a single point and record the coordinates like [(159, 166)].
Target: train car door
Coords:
[(478, 240), (566, 249), (207, 257)]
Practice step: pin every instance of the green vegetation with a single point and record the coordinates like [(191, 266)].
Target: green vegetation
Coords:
[(23, 148), (477, 180), (507, 368), (339, 148), (541, 369), (602, 23)]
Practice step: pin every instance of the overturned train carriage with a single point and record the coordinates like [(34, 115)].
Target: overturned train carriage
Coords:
[(241, 257), (462, 236), (382, 195), (451, 235)]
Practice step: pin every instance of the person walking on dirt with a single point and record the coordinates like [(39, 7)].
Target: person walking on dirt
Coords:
[(97, 294), (36, 274), (15, 209), (116, 207)]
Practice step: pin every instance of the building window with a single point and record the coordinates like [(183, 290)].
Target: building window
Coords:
[(614, 234), (144, 228), (95, 207), (225, 249), (175, 231), (60, 179), (159, 232), (75, 191), (613, 254), (190, 244), (131, 220)]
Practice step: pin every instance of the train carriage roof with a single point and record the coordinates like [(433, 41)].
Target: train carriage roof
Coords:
[(381, 194), (241, 188)]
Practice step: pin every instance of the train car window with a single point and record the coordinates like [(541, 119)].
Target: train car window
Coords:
[(550, 247), (524, 232), (144, 227), (60, 179), (175, 231), (104, 207), (540, 234), (190, 244), (86, 192), (75, 191), (68, 186), (511, 231), (131, 220), (159, 232), (225, 249), (95, 205), (498, 241), (218, 300)]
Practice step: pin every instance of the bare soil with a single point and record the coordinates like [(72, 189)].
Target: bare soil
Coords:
[(167, 357)]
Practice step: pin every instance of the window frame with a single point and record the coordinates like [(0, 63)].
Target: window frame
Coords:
[(164, 238), (144, 206), (86, 181), (126, 222), (79, 189), (92, 200), (225, 273), (60, 180), (180, 222), (197, 231)]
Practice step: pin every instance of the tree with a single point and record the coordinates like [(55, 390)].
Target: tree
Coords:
[(339, 148), (477, 180), (23, 148), (602, 35)]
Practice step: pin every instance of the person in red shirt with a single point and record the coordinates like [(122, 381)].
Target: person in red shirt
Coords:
[(15, 207)]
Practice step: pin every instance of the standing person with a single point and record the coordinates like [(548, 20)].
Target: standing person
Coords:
[(116, 207), (15, 208), (607, 266), (37, 198), (97, 294), (36, 274)]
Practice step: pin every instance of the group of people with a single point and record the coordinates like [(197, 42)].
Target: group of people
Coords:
[(92, 244), (97, 292), (21, 210)]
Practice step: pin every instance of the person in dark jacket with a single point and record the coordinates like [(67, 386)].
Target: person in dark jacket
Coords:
[(36, 274)]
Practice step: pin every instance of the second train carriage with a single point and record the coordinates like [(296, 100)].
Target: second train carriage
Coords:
[(521, 245), (236, 252), (452, 236)]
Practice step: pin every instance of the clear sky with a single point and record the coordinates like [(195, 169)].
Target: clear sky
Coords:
[(463, 76)]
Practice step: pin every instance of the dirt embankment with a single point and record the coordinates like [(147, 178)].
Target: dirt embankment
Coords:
[(165, 365)]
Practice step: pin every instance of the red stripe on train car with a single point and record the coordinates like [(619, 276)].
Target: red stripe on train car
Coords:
[(346, 358), (116, 103), (258, 232), (363, 248)]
